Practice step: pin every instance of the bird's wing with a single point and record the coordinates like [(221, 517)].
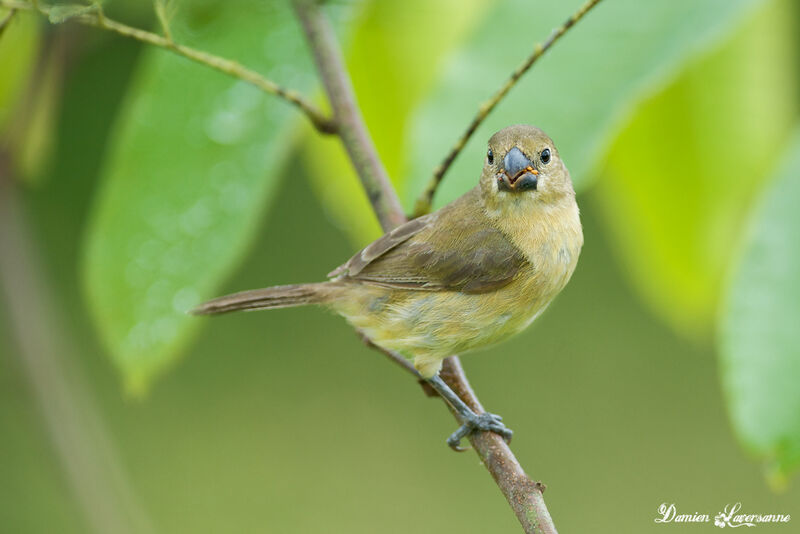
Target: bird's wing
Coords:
[(454, 249), (382, 245)]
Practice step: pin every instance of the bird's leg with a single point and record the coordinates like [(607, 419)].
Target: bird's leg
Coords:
[(470, 421)]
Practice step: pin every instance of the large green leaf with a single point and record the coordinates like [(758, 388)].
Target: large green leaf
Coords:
[(579, 93), (759, 338), (194, 160), (395, 53), (686, 168)]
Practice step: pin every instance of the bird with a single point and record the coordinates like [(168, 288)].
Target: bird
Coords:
[(469, 275)]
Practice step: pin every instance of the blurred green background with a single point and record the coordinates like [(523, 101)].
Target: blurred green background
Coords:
[(134, 183)]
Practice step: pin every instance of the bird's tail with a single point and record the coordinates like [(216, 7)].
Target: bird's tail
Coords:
[(267, 298)]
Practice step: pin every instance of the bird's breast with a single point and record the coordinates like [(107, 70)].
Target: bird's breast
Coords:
[(551, 241), (440, 323)]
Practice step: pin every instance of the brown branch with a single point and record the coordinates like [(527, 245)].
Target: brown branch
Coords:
[(522, 493), (347, 116), (425, 200), (96, 18)]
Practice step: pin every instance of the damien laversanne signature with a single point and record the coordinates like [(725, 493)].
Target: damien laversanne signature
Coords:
[(730, 516)]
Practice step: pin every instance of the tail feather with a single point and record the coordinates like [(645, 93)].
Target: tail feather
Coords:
[(265, 299)]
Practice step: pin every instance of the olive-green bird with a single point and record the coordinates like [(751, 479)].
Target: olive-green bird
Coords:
[(471, 274)]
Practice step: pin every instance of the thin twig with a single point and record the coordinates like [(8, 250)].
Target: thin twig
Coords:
[(393, 356), (232, 68), (425, 200), (161, 12), (347, 116)]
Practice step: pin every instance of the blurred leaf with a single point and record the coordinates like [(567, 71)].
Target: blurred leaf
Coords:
[(193, 162), (395, 53), (19, 46), (759, 335), (684, 170), (580, 92)]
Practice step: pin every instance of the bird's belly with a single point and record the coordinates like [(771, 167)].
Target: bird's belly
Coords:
[(438, 324)]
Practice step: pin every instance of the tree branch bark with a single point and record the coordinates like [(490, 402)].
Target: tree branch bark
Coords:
[(523, 494), (347, 116)]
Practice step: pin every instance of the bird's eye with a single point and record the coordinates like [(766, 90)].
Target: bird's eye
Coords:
[(546, 155), (490, 156)]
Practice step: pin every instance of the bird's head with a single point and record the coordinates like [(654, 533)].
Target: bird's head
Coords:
[(523, 169)]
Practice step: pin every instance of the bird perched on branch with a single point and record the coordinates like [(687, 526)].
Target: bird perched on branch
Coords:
[(471, 274)]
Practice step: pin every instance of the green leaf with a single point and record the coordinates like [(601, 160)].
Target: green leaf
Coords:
[(580, 92), (759, 338), (395, 53), (193, 163), (690, 163)]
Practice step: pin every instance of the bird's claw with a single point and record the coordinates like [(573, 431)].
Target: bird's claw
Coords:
[(486, 422)]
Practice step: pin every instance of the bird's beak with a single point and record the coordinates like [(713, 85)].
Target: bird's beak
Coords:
[(518, 173)]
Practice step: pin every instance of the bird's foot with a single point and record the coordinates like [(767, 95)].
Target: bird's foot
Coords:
[(470, 421), (487, 422)]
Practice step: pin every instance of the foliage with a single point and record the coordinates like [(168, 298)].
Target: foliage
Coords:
[(195, 158), (674, 114), (689, 164), (759, 336)]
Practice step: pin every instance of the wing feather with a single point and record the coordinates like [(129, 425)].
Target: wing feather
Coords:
[(454, 249)]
